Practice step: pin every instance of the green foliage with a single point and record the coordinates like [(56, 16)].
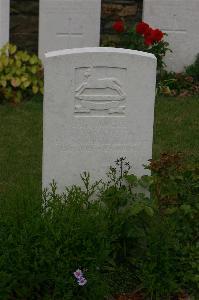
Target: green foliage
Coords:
[(119, 234), (175, 190), (21, 74), (42, 246), (184, 84), (193, 70), (157, 266), (134, 41)]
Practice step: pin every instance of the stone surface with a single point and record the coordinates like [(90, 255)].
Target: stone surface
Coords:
[(98, 106), (4, 21), (180, 20), (119, 9), (68, 24)]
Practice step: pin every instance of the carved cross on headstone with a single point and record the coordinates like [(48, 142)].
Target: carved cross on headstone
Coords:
[(71, 31)]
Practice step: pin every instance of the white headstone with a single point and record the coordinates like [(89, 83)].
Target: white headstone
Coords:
[(180, 20), (98, 106), (66, 24), (4, 21)]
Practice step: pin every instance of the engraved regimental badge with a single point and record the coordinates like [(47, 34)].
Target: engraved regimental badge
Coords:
[(97, 91)]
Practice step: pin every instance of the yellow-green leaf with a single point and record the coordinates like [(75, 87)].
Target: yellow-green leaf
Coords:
[(26, 83), (25, 56), (4, 60), (18, 63), (11, 61), (33, 60), (3, 83), (24, 78), (33, 69), (19, 72), (12, 48), (41, 90), (35, 89)]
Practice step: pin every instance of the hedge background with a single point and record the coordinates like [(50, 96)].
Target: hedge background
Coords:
[(25, 15)]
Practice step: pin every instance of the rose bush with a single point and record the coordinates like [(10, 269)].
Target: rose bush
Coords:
[(144, 38)]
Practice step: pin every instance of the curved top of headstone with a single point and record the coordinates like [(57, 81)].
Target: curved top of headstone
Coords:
[(98, 50)]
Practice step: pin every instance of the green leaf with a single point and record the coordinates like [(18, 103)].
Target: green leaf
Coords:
[(18, 63), (131, 179), (186, 208), (3, 83), (12, 49), (33, 60), (24, 56), (33, 69), (149, 211), (35, 89), (136, 208)]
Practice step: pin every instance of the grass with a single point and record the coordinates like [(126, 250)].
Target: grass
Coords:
[(176, 128), (20, 151)]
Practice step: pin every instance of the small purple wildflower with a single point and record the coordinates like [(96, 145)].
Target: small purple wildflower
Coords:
[(78, 274), (80, 277), (82, 281)]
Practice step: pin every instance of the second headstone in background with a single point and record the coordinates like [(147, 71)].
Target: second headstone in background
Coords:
[(66, 24), (180, 20)]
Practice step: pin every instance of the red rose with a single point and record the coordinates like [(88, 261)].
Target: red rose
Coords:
[(148, 32), (157, 35), (118, 26), (148, 41), (141, 27)]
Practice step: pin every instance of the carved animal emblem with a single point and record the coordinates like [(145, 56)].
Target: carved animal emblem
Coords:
[(100, 89), (99, 93)]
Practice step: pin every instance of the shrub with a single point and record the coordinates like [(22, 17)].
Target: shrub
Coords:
[(118, 235), (21, 74)]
